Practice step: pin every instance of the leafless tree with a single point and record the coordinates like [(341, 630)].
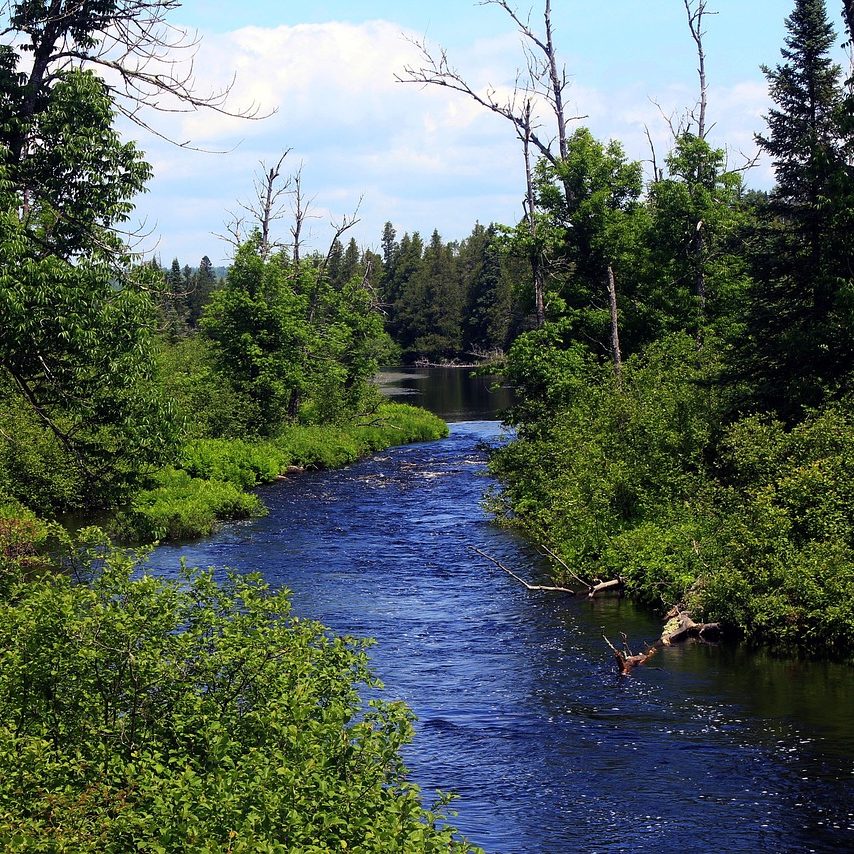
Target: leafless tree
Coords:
[(695, 10), (146, 61), (544, 79)]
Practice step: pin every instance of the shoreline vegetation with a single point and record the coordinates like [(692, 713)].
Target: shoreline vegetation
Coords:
[(211, 480)]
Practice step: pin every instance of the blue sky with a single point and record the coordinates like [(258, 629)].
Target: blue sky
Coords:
[(428, 159)]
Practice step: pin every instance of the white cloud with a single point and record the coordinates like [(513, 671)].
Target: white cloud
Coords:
[(422, 157)]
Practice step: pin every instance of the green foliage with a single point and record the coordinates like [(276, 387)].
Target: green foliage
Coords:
[(181, 507), (209, 487), (799, 351), (143, 714), (34, 466), (256, 323), (75, 343), (23, 540), (589, 214), (206, 404), (751, 525), (282, 337), (603, 458), (697, 276)]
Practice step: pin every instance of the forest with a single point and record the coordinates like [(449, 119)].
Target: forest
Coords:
[(681, 349)]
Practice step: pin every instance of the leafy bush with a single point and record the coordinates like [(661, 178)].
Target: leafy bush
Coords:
[(187, 503), (143, 714), (750, 525), (184, 507)]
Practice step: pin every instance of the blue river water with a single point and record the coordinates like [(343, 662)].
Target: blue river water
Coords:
[(520, 710)]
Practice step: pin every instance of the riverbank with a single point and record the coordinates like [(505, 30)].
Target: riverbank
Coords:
[(747, 524), (211, 481)]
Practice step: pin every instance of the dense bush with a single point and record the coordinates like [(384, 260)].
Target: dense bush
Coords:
[(182, 507), (209, 487), (750, 525), (142, 714)]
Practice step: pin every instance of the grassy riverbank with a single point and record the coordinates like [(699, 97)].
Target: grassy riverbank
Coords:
[(209, 483)]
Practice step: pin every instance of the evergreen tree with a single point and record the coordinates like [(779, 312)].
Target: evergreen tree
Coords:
[(350, 262), (204, 284), (407, 263), (486, 318), (430, 306), (390, 255), (800, 346), (334, 262)]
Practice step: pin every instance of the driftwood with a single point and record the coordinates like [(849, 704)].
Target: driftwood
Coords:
[(606, 588), (563, 563), (626, 659), (540, 587), (679, 627), (598, 588)]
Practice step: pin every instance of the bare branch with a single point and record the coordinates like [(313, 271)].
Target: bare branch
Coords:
[(533, 587)]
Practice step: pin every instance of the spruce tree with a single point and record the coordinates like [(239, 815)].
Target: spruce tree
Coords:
[(800, 346)]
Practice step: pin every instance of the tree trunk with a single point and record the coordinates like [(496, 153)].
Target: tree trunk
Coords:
[(536, 266), (615, 328)]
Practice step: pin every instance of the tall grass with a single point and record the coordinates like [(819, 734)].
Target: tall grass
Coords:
[(210, 483)]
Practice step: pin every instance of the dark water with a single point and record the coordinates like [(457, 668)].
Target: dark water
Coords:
[(452, 393), (520, 711)]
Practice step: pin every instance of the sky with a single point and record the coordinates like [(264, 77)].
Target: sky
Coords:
[(323, 74)]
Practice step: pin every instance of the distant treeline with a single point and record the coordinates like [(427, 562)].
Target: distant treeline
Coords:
[(459, 299)]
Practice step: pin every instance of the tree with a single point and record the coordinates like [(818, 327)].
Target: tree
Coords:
[(148, 60), (486, 318), (695, 275), (589, 199), (546, 82), (76, 346), (801, 342), (204, 284), (76, 340), (430, 306), (257, 325)]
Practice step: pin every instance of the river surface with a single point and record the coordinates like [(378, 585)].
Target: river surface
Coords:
[(520, 710)]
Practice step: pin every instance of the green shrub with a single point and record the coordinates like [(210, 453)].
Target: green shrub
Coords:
[(143, 714), (182, 507)]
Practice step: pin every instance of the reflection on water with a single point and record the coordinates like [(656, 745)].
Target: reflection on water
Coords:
[(452, 393), (520, 709)]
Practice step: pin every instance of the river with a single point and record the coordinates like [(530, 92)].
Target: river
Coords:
[(520, 710)]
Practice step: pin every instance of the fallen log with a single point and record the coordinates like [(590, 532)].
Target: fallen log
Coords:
[(680, 627), (614, 587), (558, 559), (540, 587), (626, 659)]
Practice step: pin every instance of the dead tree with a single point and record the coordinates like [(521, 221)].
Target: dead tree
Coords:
[(545, 79), (616, 356), (535, 254), (266, 207), (695, 10)]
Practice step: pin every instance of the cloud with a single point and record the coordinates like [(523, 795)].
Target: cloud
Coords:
[(422, 157)]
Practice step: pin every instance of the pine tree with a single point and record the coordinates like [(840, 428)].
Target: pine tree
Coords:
[(204, 284), (800, 346)]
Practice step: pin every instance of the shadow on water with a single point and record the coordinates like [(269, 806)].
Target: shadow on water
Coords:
[(452, 393), (520, 709)]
